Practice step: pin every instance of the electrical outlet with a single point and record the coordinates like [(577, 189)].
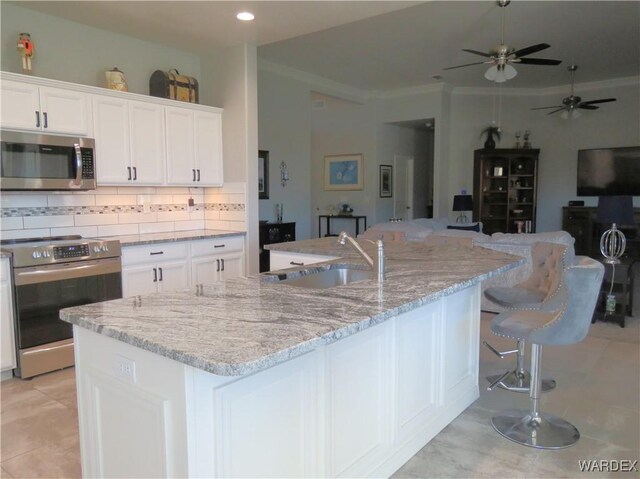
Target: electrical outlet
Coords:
[(125, 368), (191, 202)]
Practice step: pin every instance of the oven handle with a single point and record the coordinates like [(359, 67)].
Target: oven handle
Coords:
[(78, 180), (44, 274)]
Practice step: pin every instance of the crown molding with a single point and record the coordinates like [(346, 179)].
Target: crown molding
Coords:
[(414, 90), (323, 85), (612, 83)]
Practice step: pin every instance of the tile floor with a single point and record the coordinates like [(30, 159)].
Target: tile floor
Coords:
[(598, 390)]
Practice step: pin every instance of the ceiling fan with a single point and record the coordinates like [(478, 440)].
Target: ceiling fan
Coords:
[(571, 104), (502, 56)]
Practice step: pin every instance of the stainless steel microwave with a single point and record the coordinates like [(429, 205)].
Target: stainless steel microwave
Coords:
[(30, 161)]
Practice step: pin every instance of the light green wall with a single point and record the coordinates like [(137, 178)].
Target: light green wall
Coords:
[(76, 53)]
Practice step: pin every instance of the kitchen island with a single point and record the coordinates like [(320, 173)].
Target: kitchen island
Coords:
[(257, 377)]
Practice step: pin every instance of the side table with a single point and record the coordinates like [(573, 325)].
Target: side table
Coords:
[(328, 219)]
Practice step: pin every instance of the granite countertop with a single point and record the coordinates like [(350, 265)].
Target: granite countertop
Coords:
[(172, 236), (243, 325)]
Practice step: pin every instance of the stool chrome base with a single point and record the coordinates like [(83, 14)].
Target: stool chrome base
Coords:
[(519, 382), (544, 432)]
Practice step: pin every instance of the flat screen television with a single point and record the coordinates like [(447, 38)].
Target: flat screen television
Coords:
[(609, 172)]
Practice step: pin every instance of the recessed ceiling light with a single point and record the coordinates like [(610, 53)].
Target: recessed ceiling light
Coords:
[(245, 16)]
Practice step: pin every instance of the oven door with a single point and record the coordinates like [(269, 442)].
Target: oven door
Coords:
[(43, 162), (42, 291)]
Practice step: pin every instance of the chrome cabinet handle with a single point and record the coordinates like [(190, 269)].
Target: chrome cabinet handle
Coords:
[(222, 261), (129, 170), (160, 269), (46, 121), (135, 173), (37, 119), (218, 263), (155, 275), (296, 264), (194, 174), (198, 170)]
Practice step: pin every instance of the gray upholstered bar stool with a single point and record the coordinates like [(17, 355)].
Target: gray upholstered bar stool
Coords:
[(580, 288), (538, 292)]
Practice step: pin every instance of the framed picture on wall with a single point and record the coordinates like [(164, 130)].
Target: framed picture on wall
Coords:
[(263, 174), (386, 181), (343, 172)]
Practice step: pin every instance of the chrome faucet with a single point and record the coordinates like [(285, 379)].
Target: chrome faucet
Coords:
[(378, 265)]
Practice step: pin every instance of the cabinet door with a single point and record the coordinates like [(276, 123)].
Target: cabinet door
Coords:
[(64, 111), (232, 266), (111, 130), (147, 143), (180, 137), (138, 280), (173, 275), (20, 106), (205, 270), (7, 338), (208, 148)]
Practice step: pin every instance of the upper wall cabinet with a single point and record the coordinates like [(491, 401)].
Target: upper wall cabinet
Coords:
[(129, 141), (39, 108), (194, 147)]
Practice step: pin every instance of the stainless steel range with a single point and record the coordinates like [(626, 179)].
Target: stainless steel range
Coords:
[(50, 274)]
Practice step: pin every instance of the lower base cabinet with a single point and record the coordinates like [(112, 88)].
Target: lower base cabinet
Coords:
[(174, 266), (359, 407)]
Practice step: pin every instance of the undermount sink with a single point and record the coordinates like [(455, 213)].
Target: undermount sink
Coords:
[(330, 278)]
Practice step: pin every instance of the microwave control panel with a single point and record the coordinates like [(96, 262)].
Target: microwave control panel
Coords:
[(71, 251), (88, 170)]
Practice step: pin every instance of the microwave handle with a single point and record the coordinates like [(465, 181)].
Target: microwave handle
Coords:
[(78, 179)]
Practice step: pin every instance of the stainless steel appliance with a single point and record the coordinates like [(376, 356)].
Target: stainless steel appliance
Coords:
[(31, 161), (50, 274)]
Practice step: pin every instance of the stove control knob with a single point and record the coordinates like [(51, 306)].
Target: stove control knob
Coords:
[(96, 249), (36, 254), (105, 248), (46, 254)]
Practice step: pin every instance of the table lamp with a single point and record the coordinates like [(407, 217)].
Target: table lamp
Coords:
[(614, 210), (462, 203)]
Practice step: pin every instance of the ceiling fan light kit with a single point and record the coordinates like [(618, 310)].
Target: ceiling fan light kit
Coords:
[(501, 57), (572, 104)]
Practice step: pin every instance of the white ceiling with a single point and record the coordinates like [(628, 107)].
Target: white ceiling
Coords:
[(375, 45)]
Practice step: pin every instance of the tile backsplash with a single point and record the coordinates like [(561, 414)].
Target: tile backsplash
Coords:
[(109, 211)]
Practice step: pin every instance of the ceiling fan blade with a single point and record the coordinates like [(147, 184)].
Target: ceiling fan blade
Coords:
[(555, 111), (603, 100), (538, 61), (547, 107), (583, 106), (523, 52), (461, 66), (476, 52)]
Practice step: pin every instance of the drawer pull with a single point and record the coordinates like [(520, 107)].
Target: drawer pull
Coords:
[(219, 245), (222, 261), (295, 263), (153, 253), (155, 275), (160, 269), (218, 263)]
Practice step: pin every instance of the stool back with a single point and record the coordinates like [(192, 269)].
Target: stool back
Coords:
[(579, 291)]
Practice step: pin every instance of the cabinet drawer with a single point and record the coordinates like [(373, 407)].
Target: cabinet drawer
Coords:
[(154, 253), (208, 247), (283, 260)]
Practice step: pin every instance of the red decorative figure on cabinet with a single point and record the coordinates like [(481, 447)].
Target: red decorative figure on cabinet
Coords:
[(26, 50)]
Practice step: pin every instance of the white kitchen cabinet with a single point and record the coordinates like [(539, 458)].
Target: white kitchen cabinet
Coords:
[(129, 140), (285, 259), (217, 259), (194, 147), (155, 268), (7, 332), (44, 109)]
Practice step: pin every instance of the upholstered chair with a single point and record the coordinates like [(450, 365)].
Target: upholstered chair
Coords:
[(577, 297), (538, 292)]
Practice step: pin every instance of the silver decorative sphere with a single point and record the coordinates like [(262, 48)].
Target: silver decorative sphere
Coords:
[(612, 245)]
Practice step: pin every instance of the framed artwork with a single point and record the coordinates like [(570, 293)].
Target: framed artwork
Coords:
[(386, 181), (263, 174), (343, 172)]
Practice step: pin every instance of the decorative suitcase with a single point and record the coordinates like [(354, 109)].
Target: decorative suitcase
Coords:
[(174, 86)]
